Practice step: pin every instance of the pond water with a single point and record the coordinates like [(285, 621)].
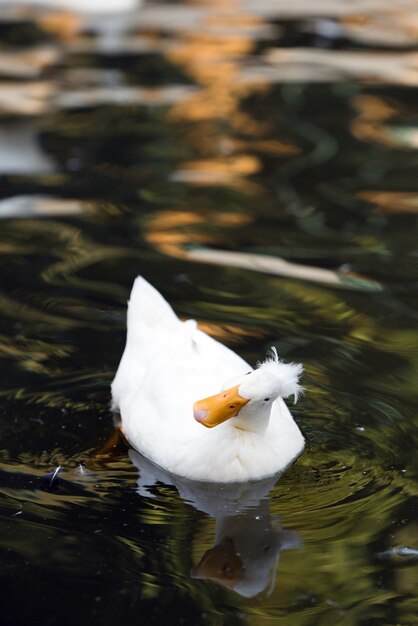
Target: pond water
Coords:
[(256, 161)]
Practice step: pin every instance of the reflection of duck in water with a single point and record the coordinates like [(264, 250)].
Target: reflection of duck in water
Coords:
[(246, 551), (168, 366), (248, 541)]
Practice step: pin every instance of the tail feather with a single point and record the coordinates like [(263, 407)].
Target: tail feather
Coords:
[(149, 316), (148, 307)]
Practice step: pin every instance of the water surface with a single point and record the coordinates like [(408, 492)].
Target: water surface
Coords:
[(256, 162)]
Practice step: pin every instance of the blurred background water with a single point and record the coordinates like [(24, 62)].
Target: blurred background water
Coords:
[(256, 160)]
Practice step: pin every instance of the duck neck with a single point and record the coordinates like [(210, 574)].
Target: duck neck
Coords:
[(252, 421)]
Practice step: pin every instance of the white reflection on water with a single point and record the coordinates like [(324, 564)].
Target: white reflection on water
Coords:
[(123, 96), (309, 65), (25, 99), (20, 151), (281, 267), (84, 6), (248, 541), (39, 206), (28, 63)]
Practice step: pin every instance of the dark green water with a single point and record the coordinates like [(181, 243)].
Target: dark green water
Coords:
[(128, 154)]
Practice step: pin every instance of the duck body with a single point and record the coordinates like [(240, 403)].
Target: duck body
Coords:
[(166, 367)]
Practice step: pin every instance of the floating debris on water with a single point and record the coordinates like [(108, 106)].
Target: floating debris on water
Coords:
[(50, 481), (403, 552)]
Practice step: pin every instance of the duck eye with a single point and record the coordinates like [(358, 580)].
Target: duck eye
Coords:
[(266, 399), (247, 373)]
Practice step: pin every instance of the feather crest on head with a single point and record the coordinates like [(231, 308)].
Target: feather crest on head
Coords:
[(273, 378)]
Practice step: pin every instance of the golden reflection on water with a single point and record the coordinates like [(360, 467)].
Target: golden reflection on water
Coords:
[(63, 24), (231, 172), (169, 231), (392, 201), (371, 123)]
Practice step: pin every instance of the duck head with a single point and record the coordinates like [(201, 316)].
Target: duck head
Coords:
[(249, 398), (221, 564)]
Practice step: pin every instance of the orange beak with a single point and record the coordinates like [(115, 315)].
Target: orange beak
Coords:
[(217, 409)]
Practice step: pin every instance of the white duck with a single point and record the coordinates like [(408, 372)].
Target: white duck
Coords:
[(168, 366)]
